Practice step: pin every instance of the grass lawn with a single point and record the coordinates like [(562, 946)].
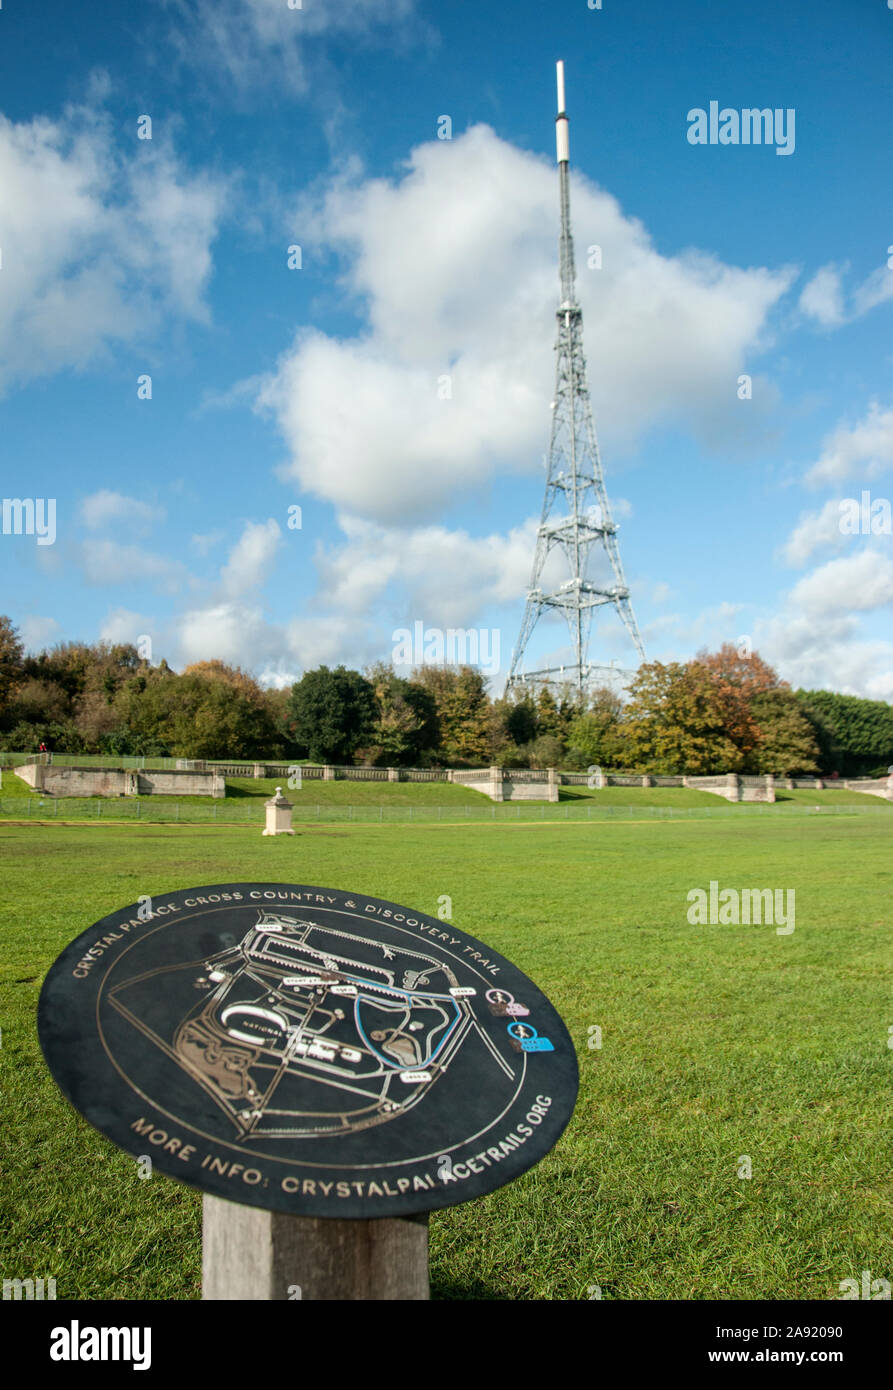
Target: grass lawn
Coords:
[(345, 793), (692, 796), (717, 1042), (11, 785), (640, 796), (805, 796)]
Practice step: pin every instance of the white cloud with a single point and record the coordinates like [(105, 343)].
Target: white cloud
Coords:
[(874, 290), (105, 506), (242, 635), (677, 637), (862, 450), (822, 297), (250, 42), (108, 562), (39, 633), (855, 584), (375, 580), (232, 632), (827, 655), (432, 574), (206, 542), (251, 558), (123, 626), (453, 267), (817, 530), (817, 641), (99, 243)]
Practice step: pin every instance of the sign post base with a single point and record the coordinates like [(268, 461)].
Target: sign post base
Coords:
[(248, 1253)]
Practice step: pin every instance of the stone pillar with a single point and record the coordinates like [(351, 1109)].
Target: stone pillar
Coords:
[(278, 815), (553, 784), (258, 770), (269, 1255), (734, 786), (789, 783), (328, 774), (497, 791), (770, 786), (819, 785), (393, 774), (647, 781), (684, 781)]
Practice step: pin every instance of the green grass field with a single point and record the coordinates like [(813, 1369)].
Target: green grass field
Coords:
[(344, 793), (718, 1042)]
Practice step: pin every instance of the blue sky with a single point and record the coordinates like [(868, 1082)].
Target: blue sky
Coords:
[(423, 257)]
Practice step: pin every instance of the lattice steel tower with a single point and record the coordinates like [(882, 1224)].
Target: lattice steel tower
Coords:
[(576, 515)]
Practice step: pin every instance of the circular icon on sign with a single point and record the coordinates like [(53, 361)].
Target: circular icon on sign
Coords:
[(306, 1050)]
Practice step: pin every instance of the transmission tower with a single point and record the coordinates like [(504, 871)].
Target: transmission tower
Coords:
[(576, 515)]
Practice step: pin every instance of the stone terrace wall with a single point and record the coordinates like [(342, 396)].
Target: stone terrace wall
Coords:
[(877, 786), (86, 781), (734, 787), (510, 784)]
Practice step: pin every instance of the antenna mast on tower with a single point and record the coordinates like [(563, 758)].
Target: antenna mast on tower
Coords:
[(576, 515)]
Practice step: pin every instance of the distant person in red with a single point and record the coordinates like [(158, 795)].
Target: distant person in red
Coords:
[(43, 748)]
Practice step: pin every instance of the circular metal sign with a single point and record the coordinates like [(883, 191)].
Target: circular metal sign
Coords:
[(308, 1050)]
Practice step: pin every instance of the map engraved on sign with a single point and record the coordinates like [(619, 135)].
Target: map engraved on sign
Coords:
[(371, 1025), (308, 1050)]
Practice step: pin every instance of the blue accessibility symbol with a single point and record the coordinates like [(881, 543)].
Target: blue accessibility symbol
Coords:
[(527, 1036)]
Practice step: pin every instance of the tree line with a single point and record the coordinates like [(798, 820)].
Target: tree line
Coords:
[(719, 712)]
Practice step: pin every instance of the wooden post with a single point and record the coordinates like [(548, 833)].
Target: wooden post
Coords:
[(248, 1253)]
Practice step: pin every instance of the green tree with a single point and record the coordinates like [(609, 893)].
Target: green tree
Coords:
[(594, 735), (548, 715), (675, 722), (545, 751), (145, 704), (278, 703), (405, 732), (11, 657), (68, 664), (225, 712), (333, 713), (463, 711), (855, 735), (503, 749), (96, 715), (521, 721), (786, 743)]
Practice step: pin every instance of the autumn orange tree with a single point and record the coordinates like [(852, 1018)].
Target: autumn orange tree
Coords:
[(739, 677), (675, 722)]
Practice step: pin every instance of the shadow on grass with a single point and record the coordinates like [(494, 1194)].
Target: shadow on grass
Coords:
[(572, 794), (234, 792)]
